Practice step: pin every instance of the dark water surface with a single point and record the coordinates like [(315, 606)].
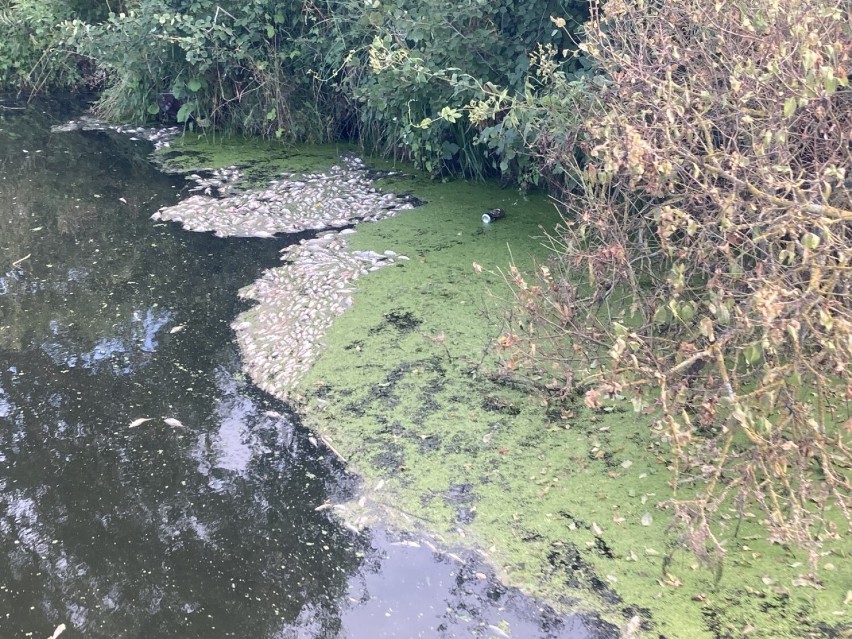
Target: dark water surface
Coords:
[(157, 531)]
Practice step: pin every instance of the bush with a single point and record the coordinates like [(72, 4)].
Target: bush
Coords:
[(212, 65), (305, 70), (430, 58), (32, 55), (709, 216)]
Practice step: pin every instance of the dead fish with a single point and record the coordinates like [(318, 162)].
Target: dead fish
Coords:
[(59, 630), (326, 506), (408, 544), (174, 423), (498, 631), (140, 421), (177, 329)]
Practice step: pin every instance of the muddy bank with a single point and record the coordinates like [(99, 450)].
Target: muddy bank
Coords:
[(563, 502)]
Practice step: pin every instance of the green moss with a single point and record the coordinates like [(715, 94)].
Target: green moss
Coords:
[(564, 501), (260, 160)]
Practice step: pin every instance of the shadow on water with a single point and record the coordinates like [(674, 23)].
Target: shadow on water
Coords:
[(204, 529)]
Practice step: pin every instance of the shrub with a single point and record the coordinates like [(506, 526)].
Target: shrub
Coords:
[(430, 58), (704, 266), (32, 57), (304, 69), (226, 65)]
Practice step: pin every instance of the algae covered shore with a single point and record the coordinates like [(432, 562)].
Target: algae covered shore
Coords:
[(404, 382)]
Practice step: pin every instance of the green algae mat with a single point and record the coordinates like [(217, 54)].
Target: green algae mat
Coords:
[(564, 502)]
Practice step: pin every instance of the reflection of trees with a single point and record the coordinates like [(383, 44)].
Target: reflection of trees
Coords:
[(202, 531), (58, 202), (161, 532)]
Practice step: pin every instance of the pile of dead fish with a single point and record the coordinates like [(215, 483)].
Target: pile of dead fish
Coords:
[(281, 337), (160, 137), (316, 201)]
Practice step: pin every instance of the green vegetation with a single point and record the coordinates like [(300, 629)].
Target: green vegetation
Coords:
[(568, 502), (703, 269), (699, 274), (297, 70)]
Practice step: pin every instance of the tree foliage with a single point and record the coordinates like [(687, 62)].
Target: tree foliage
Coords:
[(302, 69), (32, 53), (704, 266)]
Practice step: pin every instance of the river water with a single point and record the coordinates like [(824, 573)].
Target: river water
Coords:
[(201, 527)]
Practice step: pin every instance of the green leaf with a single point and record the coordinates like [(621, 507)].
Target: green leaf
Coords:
[(789, 107), (810, 240), (661, 315), (185, 112), (153, 108), (194, 85), (752, 352), (686, 311), (271, 114)]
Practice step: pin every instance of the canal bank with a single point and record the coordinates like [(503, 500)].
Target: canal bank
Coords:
[(563, 502)]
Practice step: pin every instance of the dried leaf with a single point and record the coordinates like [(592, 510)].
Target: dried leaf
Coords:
[(592, 399), (647, 520)]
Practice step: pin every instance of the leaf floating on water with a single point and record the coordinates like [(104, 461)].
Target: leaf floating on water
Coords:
[(59, 630), (140, 421), (177, 329), (16, 263), (807, 581), (647, 520), (174, 423)]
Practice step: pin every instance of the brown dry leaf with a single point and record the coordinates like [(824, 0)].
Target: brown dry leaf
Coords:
[(592, 399)]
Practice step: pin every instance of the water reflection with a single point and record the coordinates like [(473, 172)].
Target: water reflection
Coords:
[(203, 529)]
